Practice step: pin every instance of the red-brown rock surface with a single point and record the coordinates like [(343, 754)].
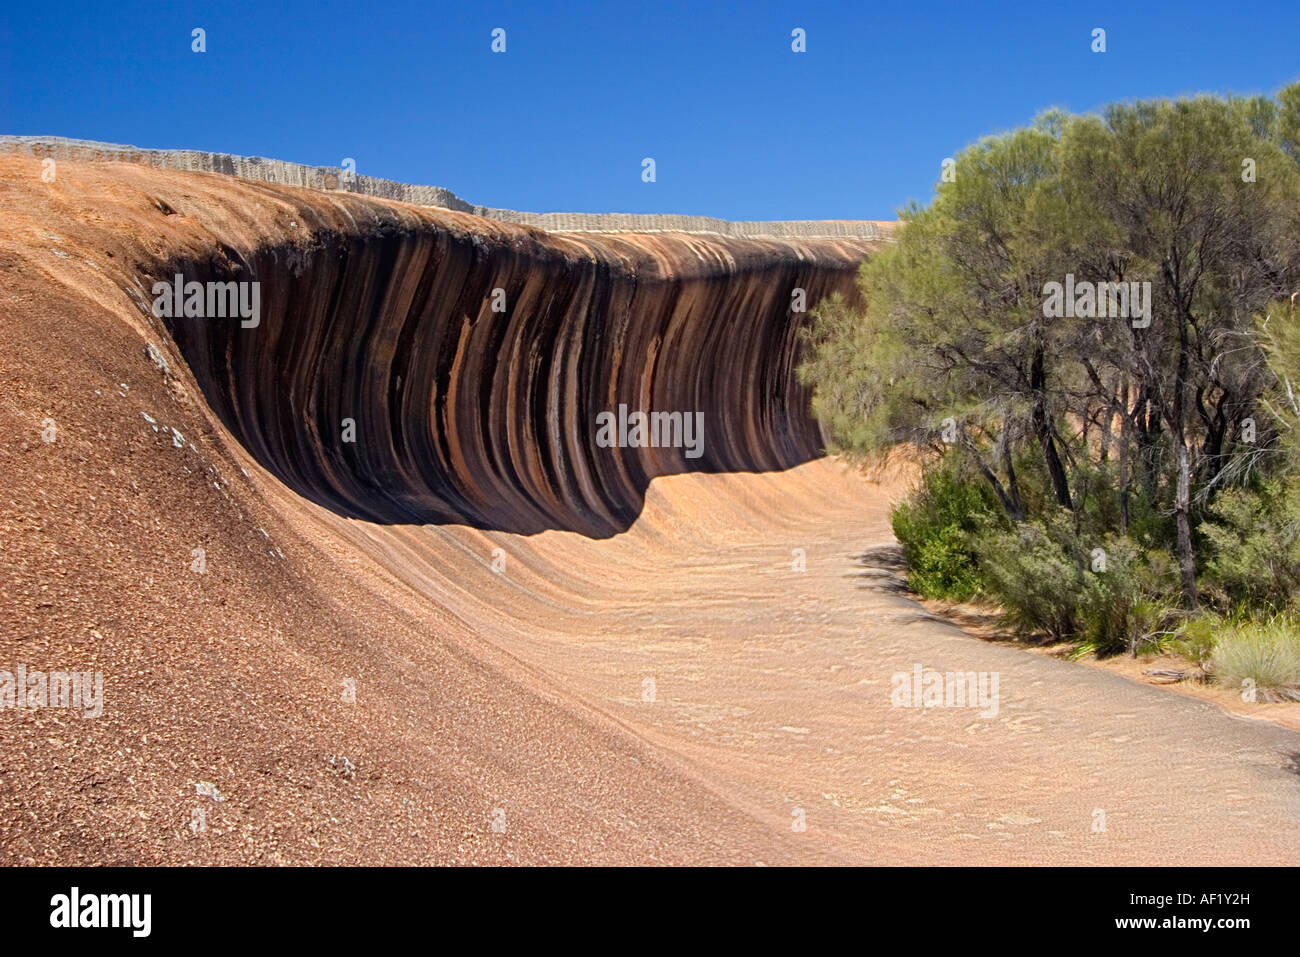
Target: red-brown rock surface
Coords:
[(500, 677)]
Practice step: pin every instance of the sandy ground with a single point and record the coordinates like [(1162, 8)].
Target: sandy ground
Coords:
[(773, 685), (503, 715)]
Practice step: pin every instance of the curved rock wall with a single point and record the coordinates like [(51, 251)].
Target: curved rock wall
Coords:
[(421, 365), (465, 414)]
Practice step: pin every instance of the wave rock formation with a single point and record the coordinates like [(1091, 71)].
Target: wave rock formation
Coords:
[(424, 365), (358, 693)]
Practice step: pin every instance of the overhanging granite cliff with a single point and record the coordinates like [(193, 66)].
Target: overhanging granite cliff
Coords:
[(422, 364)]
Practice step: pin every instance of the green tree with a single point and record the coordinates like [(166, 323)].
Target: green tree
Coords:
[(1199, 198), (1216, 245)]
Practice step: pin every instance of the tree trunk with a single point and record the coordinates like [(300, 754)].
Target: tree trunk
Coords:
[(1178, 432), (1009, 505), (1042, 425), (1125, 439), (1018, 509), (1182, 515)]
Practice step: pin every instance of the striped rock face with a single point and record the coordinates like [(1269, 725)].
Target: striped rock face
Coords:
[(408, 368), (424, 365)]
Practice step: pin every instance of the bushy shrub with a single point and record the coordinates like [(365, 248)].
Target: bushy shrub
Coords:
[(1128, 598), (1050, 580), (1070, 576), (942, 567), (1253, 543), (1035, 574), (1196, 636), (1263, 655), (1109, 596), (935, 525)]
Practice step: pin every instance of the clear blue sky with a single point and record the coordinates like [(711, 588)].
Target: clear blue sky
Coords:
[(739, 126)]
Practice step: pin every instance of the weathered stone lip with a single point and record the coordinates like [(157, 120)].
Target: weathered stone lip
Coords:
[(260, 169)]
